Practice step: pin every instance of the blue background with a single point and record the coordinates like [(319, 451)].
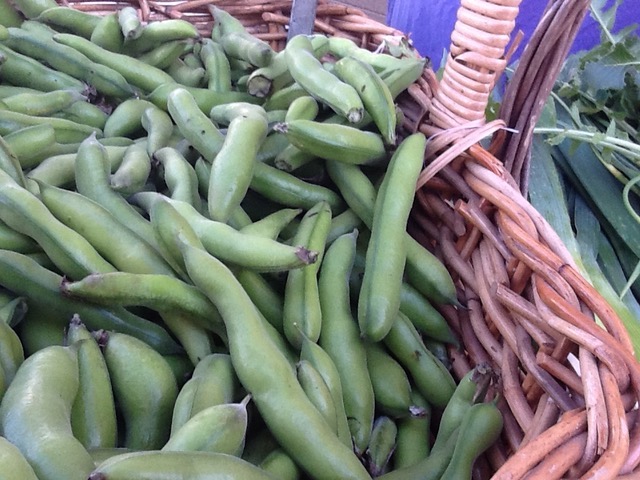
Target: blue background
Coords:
[(430, 23)]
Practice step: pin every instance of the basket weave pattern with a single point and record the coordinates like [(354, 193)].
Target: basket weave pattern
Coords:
[(569, 386)]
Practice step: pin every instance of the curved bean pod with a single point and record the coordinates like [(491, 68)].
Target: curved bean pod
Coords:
[(232, 170), (213, 382), (219, 428), (178, 465), (35, 415), (24, 276), (270, 379), (430, 377), (379, 299), (146, 394), (71, 19), (23, 70), (93, 413), (302, 315), (333, 141), (69, 250), (340, 338), (156, 291), (69, 60), (194, 124), (13, 464), (308, 72), (115, 242), (135, 72)]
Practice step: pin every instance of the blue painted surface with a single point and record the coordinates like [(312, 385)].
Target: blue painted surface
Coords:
[(430, 23)]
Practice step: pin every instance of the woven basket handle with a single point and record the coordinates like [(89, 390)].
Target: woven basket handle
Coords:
[(476, 58), (475, 62)]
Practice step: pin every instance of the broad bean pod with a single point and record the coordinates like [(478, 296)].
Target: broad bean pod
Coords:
[(269, 377)]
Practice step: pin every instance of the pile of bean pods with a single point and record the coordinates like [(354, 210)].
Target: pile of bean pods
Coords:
[(205, 270)]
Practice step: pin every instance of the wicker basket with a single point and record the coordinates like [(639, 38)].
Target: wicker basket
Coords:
[(569, 388)]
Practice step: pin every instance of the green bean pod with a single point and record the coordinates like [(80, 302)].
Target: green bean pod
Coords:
[(137, 73), (242, 250), (265, 80), (429, 376), (213, 382), (185, 74), (107, 33), (318, 391), (247, 47), (424, 270), (269, 377), (126, 119), (152, 465), (179, 176), (18, 242), (340, 338), (271, 226), (375, 94), (424, 316), (160, 292), (11, 314), (414, 435), (404, 73), (195, 125), (204, 98), (29, 142), (343, 223), (219, 428), (193, 335), (9, 14), (302, 315), (480, 428), (161, 31), (33, 8), (13, 464), (171, 229), (267, 299), (11, 349), (59, 169), (66, 131), (307, 71), (10, 164), (42, 103), (24, 276), (70, 19), (69, 250), (379, 299), (35, 415), (129, 22), (165, 54), (280, 465), (84, 112), (429, 468), (159, 128), (382, 445), (104, 79), (93, 413), (232, 170), (92, 168), (22, 70), (133, 172), (323, 363), (332, 141), (391, 385), (216, 64), (115, 242), (146, 394), (291, 191), (469, 390)]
